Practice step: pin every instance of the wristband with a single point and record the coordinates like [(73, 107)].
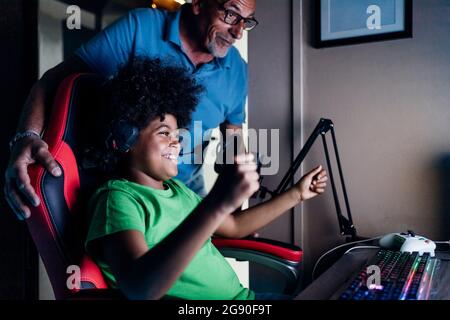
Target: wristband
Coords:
[(20, 135)]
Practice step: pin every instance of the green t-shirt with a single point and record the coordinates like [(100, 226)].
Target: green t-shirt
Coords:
[(122, 205)]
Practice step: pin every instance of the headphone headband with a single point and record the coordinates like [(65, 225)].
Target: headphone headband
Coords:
[(123, 136)]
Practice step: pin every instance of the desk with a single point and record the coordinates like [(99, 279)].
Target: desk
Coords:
[(343, 271)]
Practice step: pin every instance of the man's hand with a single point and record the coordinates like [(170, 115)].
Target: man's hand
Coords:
[(18, 190), (236, 183), (311, 184)]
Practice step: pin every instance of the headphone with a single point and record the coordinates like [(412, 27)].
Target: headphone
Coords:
[(122, 137)]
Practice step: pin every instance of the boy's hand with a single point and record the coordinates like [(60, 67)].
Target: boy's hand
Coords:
[(311, 184), (236, 183)]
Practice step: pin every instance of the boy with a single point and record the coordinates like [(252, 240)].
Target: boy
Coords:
[(150, 234)]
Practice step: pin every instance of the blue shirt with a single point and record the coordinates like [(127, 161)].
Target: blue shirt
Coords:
[(155, 34)]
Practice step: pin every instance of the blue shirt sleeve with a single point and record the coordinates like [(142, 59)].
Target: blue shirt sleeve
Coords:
[(112, 47), (237, 116)]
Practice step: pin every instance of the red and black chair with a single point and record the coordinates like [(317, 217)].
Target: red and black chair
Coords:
[(58, 226)]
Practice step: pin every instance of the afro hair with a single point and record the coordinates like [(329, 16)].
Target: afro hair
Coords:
[(142, 90), (145, 89)]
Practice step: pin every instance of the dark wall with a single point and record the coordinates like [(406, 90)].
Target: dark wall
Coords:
[(18, 71), (270, 91), (271, 107), (389, 101)]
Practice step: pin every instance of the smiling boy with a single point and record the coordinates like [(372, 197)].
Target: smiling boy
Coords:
[(149, 233)]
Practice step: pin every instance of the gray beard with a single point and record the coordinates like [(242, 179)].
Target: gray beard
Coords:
[(214, 52)]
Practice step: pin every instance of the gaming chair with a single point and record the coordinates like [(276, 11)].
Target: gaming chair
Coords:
[(59, 225)]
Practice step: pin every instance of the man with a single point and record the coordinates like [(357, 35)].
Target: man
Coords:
[(198, 37)]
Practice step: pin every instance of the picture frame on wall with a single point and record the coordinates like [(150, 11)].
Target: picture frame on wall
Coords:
[(347, 22)]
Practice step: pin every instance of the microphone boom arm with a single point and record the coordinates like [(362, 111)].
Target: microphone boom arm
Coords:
[(323, 127)]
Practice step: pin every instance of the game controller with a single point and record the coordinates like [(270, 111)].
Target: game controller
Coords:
[(408, 242)]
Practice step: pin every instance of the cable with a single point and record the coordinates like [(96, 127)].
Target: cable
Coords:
[(362, 247), (336, 248)]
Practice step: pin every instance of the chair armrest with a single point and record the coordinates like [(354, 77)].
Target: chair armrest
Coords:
[(274, 248), (283, 258)]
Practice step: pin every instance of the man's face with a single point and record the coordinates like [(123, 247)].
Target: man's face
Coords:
[(220, 36), (157, 149)]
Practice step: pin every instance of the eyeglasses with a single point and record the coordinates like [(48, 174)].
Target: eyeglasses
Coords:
[(232, 18)]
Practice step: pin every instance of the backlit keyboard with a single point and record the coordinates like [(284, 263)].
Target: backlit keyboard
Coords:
[(402, 276)]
